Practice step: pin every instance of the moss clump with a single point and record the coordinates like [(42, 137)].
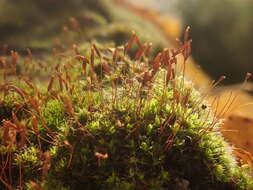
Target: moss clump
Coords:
[(54, 113), (136, 147), (124, 122)]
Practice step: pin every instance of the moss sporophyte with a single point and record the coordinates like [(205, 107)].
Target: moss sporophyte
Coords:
[(112, 118)]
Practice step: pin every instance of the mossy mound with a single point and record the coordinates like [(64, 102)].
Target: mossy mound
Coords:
[(109, 120)]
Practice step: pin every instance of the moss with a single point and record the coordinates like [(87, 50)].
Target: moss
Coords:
[(53, 112), (127, 128), (140, 159), (119, 136), (30, 162)]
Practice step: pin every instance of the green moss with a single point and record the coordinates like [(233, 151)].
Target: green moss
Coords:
[(54, 113), (142, 153), (30, 161)]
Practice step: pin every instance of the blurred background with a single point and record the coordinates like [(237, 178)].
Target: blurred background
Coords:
[(221, 29)]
